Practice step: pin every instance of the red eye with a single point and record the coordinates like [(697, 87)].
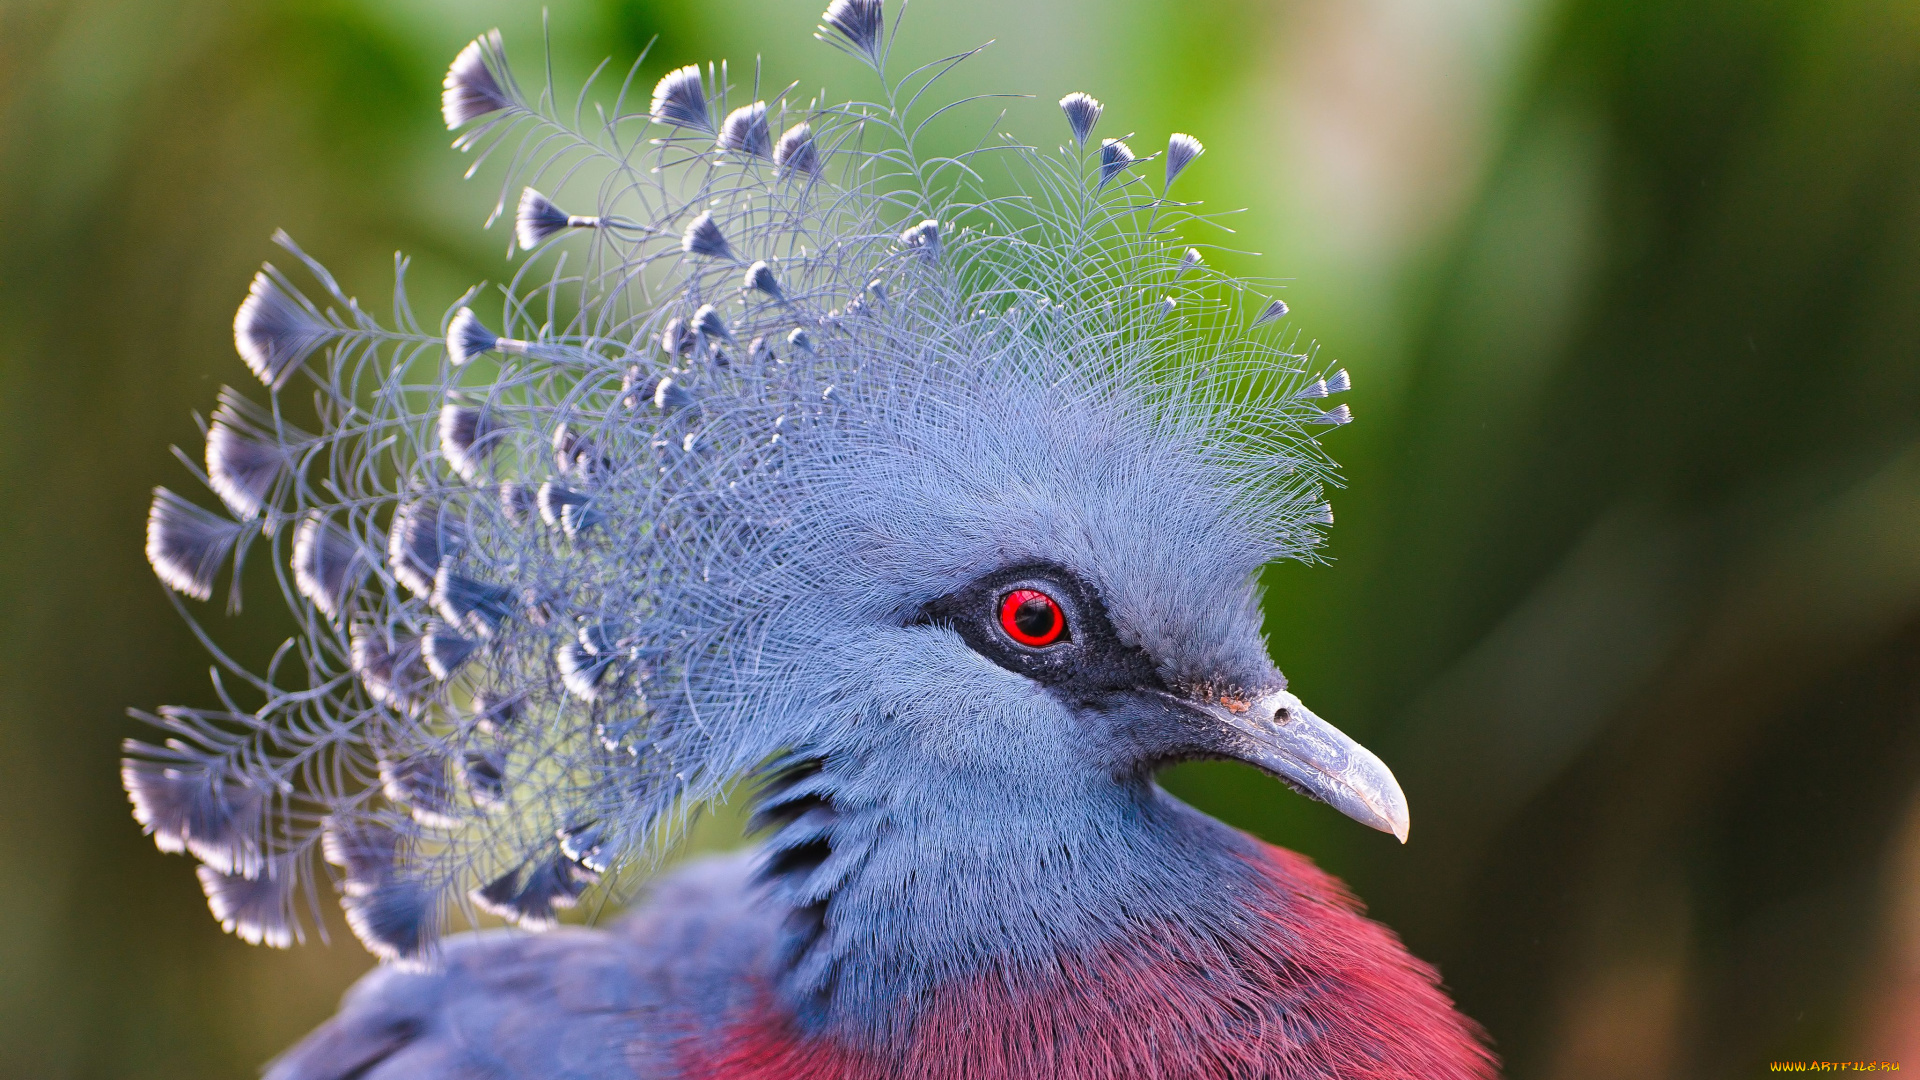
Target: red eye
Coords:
[(1032, 618)]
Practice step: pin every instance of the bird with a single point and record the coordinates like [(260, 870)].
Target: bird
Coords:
[(918, 500)]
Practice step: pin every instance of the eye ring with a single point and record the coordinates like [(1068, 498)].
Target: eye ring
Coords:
[(1032, 618)]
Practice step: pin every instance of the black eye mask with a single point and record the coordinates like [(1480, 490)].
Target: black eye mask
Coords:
[(1086, 660)]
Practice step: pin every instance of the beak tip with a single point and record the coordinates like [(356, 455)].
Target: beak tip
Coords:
[(1399, 820), (1392, 819), (1387, 806)]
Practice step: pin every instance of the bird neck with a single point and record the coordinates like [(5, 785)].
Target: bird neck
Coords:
[(895, 892)]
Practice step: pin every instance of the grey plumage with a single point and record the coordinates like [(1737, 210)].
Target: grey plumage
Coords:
[(467, 436), (445, 649), (680, 100), (422, 534), (566, 509), (745, 131), (468, 337), (537, 219), (571, 1001), (395, 919), (858, 25), (795, 152), (364, 851), (760, 279), (1116, 157), (923, 238), (484, 773), (675, 338), (940, 586), (669, 395), (257, 910), (1083, 111), (246, 456), (390, 668), (703, 237), (274, 331), (1181, 150), (187, 544), (635, 615), (709, 323), (188, 807), (1275, 310), (420, 784), (471, 90), (327, 564), (475, 606)]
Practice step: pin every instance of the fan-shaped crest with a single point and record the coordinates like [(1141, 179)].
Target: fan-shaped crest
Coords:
[(567, 561)]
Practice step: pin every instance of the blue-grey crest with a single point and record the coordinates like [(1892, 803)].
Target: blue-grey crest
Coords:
[(767, 378)]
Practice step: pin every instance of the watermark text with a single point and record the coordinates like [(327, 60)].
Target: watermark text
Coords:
[(1833, 1066)]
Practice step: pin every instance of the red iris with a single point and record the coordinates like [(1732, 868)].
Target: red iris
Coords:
[(1032, 618)]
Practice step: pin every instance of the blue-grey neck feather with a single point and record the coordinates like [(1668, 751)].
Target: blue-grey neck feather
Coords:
[(923, 877), (949, 816)]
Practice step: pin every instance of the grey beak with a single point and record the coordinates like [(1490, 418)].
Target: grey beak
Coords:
[(1284, 737)]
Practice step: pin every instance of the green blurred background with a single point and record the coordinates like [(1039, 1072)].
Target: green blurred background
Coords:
[(1627, 579)]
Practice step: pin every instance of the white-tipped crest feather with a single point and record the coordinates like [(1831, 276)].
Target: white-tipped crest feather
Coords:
[(275, 330), (471, 89), (703, 237), (1181, 150), (538, 219), (680, 100), (187, 544), (1116, 157), (1083, 111), (1276, 309), (858, 25), (745, 131), (795, 151)]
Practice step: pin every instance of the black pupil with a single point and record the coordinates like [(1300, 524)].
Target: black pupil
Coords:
[(1035, 617)]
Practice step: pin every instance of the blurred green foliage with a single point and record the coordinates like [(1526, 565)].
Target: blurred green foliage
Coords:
[(1627, 583)]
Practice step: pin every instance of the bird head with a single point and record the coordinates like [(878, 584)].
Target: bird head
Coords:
[(815, 447), (1042, 579)]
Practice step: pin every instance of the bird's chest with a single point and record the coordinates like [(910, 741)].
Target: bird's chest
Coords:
[(1084, 1022), (1144, 1011), (1316, 992)]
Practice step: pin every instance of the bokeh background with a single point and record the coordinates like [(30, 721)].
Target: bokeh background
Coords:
[(1626, 581)]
